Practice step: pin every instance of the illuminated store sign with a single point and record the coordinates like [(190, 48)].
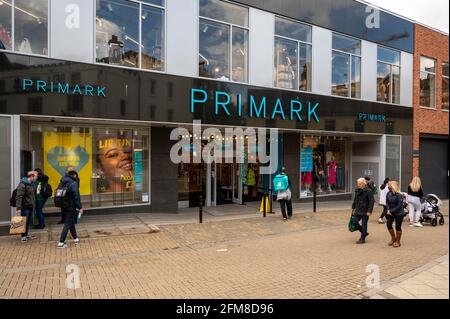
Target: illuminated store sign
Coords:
[(257, 107), (41, 86), (372, 117)]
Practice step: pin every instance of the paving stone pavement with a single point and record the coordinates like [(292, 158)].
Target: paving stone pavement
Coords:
[(309, 256)]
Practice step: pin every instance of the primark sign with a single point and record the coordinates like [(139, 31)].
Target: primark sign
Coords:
[(41, 86)]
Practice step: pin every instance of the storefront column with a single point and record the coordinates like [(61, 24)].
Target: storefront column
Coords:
[(291, 157)]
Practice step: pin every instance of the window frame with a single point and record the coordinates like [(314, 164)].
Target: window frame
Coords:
[(310, 44), (13, 33), (139, 67), (391, 74), (442, 86), (351, 57), (230, 44), (432, 73)]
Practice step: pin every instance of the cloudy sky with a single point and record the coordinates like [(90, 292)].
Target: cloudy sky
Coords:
[(430, 12)]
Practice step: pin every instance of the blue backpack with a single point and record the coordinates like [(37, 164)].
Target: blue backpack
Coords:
[(280, 183)]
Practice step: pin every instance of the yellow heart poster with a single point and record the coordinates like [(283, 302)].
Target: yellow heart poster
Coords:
[(63, 149)]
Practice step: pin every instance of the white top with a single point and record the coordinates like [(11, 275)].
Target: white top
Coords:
[(383, 193)]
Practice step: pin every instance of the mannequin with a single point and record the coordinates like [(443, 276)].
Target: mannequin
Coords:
[(331, 179)]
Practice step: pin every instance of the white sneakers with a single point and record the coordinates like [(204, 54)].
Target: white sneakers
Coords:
[(64, 245), (76, 241), (417, 224)]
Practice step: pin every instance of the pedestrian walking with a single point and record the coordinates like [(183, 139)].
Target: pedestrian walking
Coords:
[(395, 213), (415, 193), (26, 201), (362, 208), (71, 207), (384, 190), (43, 191), (282, 185), (68, 169)]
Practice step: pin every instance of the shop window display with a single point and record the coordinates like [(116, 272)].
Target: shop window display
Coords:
[(323, 162), (112, 163)]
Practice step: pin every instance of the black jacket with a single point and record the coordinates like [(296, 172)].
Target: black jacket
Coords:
[(363, 201), (74, 193), (419, 193), (394, 203)]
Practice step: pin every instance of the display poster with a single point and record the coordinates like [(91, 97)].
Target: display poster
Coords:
[(306, 160), (138, 171), (63, 149), (114, 162)]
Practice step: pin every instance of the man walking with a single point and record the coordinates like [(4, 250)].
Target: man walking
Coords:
[(71, 208), (43, 192), (362, 208), (26, 201)]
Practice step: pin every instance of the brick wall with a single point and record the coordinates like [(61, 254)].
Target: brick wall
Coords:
[(434, 45)]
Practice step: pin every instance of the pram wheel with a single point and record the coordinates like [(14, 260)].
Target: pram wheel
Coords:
[(434, 222), (441, 221)]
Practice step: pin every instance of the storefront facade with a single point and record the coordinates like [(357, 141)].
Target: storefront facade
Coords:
[(107, 101)]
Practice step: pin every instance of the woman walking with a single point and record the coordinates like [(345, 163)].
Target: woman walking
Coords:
[(384, 189), (415, 193), (395, 213)]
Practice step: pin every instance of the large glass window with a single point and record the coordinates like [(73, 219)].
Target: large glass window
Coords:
[(5, 25), (393, 149), (427, 82), (293, 55), (131, 34), (5, 168), (388, 75), (112, 163), (324, 162), (223, 41), (30, 26), (445, 86), (346, 66)]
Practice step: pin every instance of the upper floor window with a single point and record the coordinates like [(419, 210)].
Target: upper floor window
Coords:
[(131, 33), (223, 41), (445, 86), (293, 55), (346, 65), (427, 82), (30, 26), (388, 75)]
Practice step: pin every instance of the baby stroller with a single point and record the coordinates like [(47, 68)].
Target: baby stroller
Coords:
[(430, 210)]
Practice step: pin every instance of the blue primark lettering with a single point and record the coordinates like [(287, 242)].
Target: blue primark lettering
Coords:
[(63, 89), (278, 110), (40, 86), (223, 104), (296, 110), (196, 101), (77, 90), (312, 111), (239, 103), (262, 107), (89, 90), (101, 91), (26, 83)]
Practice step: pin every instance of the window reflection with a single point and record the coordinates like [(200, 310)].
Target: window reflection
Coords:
[(224, 11), (214, 50), (152, 39), (286, 64), (388, 75), (240, 54), (445, 86), (383, 82), (5, 25), (31, 26), (293, 30), (427, 82), (340, 76)]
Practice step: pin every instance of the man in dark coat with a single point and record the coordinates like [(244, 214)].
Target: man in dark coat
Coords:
[(362, 208)]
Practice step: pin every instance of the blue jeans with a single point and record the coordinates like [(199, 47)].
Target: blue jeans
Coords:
[(363, 226), (40, 214), (28, 213)]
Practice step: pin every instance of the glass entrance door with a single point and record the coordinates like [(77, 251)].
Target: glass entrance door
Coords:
[(237, 183)]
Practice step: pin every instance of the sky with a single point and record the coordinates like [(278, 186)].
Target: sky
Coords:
[(433, 13)]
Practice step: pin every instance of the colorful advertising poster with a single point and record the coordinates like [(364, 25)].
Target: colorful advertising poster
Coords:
[(63, 149), (306, 160), (114, 162)]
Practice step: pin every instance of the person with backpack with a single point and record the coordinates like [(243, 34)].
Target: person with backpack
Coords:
[(67, 197), (282, 183), (43, 192), (362, 208), (68, 169), (25, 201)]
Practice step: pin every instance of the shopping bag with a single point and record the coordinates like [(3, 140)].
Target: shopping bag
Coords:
[(18, 225), (261, 209), (351, 224)]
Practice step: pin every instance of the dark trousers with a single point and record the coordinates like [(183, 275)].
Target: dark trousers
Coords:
[(40, 213), (398, 218), (286, 203), (383, 213), (363, 226), (28, 213), (69, 225)]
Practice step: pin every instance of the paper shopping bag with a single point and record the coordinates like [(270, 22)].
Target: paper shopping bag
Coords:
[(18, 225)]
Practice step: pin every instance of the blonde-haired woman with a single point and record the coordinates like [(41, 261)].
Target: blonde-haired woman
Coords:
[(415, 193), (394, 203)]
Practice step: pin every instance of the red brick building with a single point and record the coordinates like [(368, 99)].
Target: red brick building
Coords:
[(431, 115)]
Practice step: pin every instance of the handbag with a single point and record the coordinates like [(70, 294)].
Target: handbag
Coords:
[(284, 195), (18, 225), (351, 224)]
